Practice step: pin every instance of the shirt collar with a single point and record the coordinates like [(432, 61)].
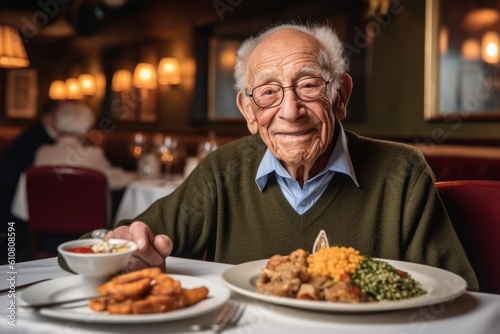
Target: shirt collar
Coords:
[(340, 161)]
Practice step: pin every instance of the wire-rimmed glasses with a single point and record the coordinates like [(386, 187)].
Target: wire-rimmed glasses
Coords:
[(271, 95)]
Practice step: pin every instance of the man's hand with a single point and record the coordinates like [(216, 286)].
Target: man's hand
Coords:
[(151, 250)]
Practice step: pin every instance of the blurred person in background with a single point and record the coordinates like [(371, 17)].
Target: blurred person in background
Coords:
[(18, 156), (73, 121)]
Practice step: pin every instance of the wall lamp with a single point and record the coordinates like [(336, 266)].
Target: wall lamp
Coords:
[(12, 52), (122, 81), (144, 76), (73, 88), (169, 71)]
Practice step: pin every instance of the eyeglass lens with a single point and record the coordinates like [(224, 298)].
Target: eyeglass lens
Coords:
[(308, 89)]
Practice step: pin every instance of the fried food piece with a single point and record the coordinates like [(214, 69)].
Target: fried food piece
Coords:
[(124, 307), (157, 304), (120, 292), (137, 275), (195, 295), (98, 304), (165, 285), (165, 303)]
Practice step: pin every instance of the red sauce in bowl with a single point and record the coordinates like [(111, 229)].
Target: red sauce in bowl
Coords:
[(85, 249)]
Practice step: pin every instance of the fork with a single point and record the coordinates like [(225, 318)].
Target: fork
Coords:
[(227, 318), (23, 286)]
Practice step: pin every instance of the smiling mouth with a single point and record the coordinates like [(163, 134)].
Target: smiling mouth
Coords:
[(295, 134)]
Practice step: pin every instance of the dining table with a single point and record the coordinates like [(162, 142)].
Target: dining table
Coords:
[(470, 312)]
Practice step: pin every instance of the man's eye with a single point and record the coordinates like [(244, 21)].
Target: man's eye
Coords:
[(267, 91), (308, 85)]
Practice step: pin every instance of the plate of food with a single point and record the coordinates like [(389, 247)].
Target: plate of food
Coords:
[(137, 297), (339, 279)]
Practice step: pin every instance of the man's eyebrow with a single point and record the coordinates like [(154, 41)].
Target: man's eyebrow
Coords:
[(308, 71), (266, 76)]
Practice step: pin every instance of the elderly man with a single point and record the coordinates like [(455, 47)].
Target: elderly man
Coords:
[(299, 173)]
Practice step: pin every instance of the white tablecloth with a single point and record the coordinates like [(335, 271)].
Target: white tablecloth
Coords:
[(476, 313), (19, 206), (140, 194)]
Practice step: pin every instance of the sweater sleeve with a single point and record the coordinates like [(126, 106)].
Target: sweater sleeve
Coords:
[(429, 233), (187, 215)]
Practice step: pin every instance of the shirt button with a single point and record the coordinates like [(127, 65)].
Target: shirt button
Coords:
[(303, 203)]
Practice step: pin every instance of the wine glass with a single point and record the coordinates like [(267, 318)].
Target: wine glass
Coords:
[(169, 154), (208, 146)]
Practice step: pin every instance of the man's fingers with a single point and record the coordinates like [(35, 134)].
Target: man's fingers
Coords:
[(141, 235), (121, 232), (163, 245)]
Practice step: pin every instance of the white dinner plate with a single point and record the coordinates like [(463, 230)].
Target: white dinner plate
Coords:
[(70, 288), (440, 285)]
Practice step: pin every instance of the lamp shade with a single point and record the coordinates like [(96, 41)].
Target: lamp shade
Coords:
[(73, 91), (57, 90), (122, 81), (12, 52), (87, 84), (169, 71), (144, 76)]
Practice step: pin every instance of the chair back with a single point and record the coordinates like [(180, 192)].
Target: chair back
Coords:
[(474, 209), (65, 200)]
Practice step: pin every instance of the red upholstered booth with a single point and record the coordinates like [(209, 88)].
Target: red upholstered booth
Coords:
[(474, 209), (66, 201)]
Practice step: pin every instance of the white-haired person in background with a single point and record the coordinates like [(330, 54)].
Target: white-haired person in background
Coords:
[(73, 121)]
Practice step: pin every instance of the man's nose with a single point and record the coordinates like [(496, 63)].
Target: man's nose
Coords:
[(290, 108)]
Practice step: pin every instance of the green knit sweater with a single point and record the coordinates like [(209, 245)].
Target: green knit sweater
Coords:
[(394, 214)]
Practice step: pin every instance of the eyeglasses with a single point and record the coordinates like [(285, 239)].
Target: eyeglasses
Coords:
[(271, 95)]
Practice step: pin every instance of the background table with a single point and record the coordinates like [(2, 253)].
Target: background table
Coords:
[(476, 313), (140, 194)]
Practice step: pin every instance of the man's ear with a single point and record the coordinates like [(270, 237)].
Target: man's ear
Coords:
[(244, 104), (344, 93)]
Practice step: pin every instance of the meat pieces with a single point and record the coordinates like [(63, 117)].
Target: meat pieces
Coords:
[(284, 275)]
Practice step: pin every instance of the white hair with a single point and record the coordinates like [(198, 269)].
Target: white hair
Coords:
[(332, 59), (74, 118)]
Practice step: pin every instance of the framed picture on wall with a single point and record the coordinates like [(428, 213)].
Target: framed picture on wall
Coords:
[(462, 64), (21, 93), (221, 93)]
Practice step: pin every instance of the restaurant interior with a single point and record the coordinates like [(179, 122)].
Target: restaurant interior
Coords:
[(163, 69), (157, 76), (394, 95)]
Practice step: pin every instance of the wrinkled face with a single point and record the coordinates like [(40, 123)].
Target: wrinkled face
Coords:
[(296, 132)]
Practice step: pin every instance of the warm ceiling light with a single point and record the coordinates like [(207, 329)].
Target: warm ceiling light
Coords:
[(12, 52), (481, 19), (87, 84), (144, 76), (489, 47), (57, 90), (122, 81), (169, 71), (73, 91)]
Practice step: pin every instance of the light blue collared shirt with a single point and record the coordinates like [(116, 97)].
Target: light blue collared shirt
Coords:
[(301, 199)]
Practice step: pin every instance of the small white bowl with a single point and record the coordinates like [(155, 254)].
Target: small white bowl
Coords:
[(96, 268)]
